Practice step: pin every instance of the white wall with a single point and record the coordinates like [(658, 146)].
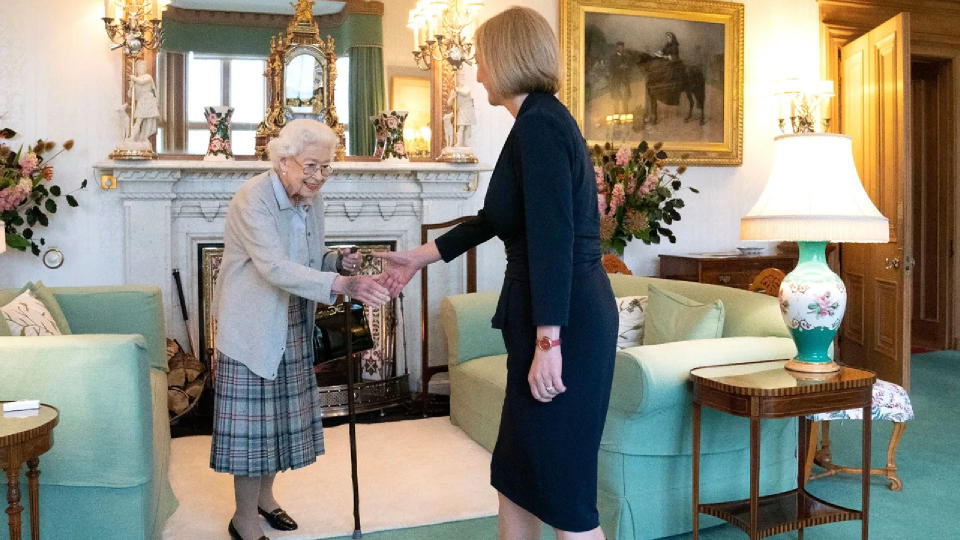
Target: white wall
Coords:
[(60, 81)]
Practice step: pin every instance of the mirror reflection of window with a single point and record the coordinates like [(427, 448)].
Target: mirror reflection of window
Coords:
[(236, 81)]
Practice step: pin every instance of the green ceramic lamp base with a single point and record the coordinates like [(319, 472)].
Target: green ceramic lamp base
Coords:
[(812, 300)]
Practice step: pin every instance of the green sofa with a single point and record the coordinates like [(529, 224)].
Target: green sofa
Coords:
[(107, 474), (644, 487)]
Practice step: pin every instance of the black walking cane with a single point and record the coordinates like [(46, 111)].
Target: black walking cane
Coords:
[(353, 420)]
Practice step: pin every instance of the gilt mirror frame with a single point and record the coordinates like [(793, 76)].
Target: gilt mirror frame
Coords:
[(302, 37)]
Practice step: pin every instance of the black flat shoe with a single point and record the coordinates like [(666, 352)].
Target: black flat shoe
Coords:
[(278, 519), (234, 535)]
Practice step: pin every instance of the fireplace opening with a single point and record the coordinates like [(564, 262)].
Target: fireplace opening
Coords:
[(380, 372)]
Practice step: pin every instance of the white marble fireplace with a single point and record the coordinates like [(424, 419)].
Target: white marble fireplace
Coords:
[(172, 206)]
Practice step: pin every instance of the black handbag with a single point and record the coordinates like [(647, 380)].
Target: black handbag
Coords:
[(330, 339)]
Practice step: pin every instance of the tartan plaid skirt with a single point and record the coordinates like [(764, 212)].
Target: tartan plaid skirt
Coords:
[(261, 427)]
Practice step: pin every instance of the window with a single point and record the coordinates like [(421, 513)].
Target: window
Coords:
[(216, 80), (203, 79)]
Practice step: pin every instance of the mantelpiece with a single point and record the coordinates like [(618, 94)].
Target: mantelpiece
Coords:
[(172, 206)]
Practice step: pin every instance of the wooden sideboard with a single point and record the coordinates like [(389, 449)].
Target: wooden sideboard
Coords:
[(717, 269)]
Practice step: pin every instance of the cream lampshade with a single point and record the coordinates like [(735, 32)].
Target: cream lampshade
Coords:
[(813, 196)]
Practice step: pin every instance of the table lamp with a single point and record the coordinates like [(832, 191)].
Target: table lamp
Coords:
[(813, 196)]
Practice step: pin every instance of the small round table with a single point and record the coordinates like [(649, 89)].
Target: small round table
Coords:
[(23, 439)]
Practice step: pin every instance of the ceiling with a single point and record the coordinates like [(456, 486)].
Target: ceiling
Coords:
[(320, 7)]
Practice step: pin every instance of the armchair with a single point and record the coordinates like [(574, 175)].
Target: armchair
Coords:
[(107, 473)]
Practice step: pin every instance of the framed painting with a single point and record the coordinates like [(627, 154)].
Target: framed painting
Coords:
[(667, 71)]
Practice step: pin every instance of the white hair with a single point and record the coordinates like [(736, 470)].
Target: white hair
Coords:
[(297, 135)]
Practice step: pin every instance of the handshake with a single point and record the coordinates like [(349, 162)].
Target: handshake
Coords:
[(376, 290)]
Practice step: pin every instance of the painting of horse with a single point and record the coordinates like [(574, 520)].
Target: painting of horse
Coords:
[(642, 71)]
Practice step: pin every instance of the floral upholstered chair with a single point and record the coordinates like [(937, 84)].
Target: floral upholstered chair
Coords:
[(890, 402)]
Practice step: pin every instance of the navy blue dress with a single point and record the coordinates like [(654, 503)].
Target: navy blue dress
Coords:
[(542, 202)]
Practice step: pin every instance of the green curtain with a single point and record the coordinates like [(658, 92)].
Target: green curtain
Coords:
[(357, 29), (366, 97)]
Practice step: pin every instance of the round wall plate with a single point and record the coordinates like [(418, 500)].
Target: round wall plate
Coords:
[(52, 258)]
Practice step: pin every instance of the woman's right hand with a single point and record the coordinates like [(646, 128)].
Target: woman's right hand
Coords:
[(366, 289)]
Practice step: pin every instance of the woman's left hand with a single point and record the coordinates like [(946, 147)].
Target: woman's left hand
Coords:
[(544, 378), (350, 262)]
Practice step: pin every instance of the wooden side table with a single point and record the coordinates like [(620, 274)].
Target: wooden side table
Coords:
[(23, 439), (719, 269), (766, 390)]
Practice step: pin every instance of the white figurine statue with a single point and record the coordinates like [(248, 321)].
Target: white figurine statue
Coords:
[(145, 107), (458, 137), (466, 116)]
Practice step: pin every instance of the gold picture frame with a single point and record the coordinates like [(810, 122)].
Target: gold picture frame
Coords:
[(666, 71)]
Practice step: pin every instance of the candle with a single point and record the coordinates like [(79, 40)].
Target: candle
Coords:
[(154, 9), (108, 9)]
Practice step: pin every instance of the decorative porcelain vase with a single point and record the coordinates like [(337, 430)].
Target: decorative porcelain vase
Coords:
[(389, 135), (812, 301), (218, 120)]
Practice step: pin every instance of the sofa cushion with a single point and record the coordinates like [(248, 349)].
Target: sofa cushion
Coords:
[(745, 313), (631, 309), (673, 317), (26, 315), (46, 297)]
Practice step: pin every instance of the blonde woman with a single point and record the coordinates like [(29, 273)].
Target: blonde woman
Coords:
[(275, 269), (556, 309)]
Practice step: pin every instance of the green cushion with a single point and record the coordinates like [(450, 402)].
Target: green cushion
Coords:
[(672, 317), (46, 297)]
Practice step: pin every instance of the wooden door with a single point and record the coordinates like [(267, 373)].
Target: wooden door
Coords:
[(932, 117), (875, 112)]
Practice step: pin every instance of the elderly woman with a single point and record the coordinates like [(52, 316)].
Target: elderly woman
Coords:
[(542, 202), (275, 269)]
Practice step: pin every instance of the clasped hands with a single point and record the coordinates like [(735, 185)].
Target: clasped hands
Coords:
[(376, 290)]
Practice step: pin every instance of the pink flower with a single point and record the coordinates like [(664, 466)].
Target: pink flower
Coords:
[(649, 184), (48, 173), (617, 198), (623, 155), (598, 174), (216, 144), (29, 163), (399, 149), (601, 203), (392, 122)]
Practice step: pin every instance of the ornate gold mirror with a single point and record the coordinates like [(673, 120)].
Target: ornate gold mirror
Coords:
[(301, 75)]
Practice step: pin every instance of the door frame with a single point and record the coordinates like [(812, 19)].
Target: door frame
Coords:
[(932, 36)]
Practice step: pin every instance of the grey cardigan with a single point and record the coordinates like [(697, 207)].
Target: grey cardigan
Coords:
[(257, 276)]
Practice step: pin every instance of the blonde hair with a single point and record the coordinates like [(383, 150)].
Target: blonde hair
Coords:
[(519, 52), (297, 135)]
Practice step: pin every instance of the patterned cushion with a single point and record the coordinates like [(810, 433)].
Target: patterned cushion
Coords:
[(26, 315), (890, 402), (631, 308)]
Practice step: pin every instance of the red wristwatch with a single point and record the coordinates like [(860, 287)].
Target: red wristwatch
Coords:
[(545, 344)]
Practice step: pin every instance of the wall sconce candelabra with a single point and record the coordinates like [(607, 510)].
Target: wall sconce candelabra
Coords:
[(133, 24), (806, 105), (442, 37)]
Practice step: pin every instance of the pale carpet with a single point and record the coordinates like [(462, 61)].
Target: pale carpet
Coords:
[(412, 473)]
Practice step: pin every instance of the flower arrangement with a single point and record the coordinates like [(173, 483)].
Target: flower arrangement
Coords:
[(27, 196), (636, 195)]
